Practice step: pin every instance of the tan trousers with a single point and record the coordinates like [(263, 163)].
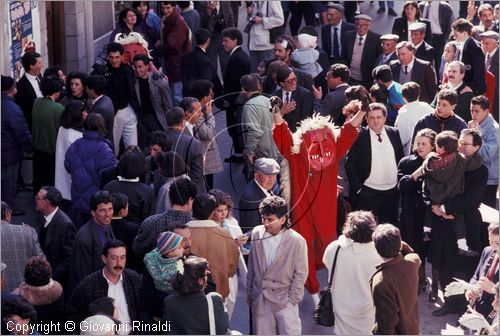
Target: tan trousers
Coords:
[(287, 320)]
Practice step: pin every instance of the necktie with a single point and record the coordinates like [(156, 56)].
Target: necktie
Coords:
[(459, 55), (487, 63), (427, 13), (406, 69), (287, 97), (108, 235), (491, 271), (270, 192), (360, 41), (335, 44), (38, 80), (384, 59), (379, 137)]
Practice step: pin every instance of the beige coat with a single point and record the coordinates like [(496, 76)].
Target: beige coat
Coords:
[(216, 245), (284, 280)]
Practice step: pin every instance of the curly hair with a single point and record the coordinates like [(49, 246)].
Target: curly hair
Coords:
[(37, 271), (359, 226), (195, 268)]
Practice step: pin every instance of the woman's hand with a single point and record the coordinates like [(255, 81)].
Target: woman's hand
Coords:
[(241, 240)]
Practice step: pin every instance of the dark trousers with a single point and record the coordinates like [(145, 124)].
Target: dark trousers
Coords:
[(9, 182), (233, 121), (490, 196), (44, 167), (383, 203), (438, 42), (300, 9)]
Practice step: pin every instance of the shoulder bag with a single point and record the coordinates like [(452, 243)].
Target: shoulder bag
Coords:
[(324, 312)]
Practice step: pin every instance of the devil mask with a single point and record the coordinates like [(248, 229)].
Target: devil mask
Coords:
[(319, 144)]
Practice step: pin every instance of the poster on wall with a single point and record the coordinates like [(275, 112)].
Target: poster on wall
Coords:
[(21, 32)]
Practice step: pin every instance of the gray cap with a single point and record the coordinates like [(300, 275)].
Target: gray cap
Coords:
[(266, 166), (417, 26), (490, 34), (336, 6), (389, 37), (362, 17)]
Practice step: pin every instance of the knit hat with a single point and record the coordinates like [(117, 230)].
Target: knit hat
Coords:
[(168, 241), (8, 83)]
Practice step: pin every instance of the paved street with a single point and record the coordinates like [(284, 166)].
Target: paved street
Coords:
[(232, 181)]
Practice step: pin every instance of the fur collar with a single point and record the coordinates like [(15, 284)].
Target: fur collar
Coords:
[(207, 223), (42, 295)]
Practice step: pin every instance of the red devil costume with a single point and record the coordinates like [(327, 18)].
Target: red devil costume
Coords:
[(313, 153)]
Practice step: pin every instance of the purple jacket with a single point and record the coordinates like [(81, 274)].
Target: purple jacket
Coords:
[(86, 159)]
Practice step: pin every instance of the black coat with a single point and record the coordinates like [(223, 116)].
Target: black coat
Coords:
[(237, 66), (56, 242), (426, 52), (455, 124), (126, 232), (304, 108), (446, 16), (326, 39), (25, 97), (104, 106), (400, 27), (473, 58), (372, 49), (411, 219), (140, 198), (196, 65), (95, 286), (249, 206), (394, 57), (303, 79), (444, 243), (423, 74), (359, 158)]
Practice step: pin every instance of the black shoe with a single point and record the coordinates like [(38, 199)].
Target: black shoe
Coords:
[(18, 212), (235, 159), (468, 253), (392, 12), (380, 10), (441, 311)]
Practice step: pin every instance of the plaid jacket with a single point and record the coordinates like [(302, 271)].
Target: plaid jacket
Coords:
[(95, 286), (145, 240), (19, 243)]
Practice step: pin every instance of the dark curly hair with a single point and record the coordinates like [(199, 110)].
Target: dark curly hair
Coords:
[(195, 268), (19, 306), (37, 271), (359, 226)]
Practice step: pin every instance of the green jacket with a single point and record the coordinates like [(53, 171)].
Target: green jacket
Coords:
[(46, 120)]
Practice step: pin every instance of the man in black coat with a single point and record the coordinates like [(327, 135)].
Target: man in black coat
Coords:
[(186, 146), (409, 68), (470, 53), (126, 284), (332, 34), (371, 167), (56, 232), (91, 238), (238, 65), (297, 101), (423, 50), (120, 80), (96, 85), (197, 65), (28, 86), (444, 243), (265, 174), (360, 50)]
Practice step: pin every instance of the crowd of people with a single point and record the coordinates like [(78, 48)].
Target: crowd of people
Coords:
[(370, 153)]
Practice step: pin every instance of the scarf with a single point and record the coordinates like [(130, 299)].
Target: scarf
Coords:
[(162, 270)]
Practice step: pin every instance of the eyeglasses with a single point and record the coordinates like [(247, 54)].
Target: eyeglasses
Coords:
[(463, 143), (291, 80)]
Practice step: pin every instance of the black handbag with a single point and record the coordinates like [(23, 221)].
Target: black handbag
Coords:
[(324, 312)]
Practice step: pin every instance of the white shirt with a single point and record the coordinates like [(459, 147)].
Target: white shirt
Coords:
[(232, 51), (34, 83), (454, 88), (384, 168), (263, 190), (433, 16), (409, 65), (190, 127), (49, 217), (408, 116), (118, 294), (270, 244), (284, 96), (95, 100)]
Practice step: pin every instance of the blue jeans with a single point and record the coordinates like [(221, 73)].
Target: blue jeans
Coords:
[(176, 88)]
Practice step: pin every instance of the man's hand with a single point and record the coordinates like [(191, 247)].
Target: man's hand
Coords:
[(317, 92), (288, 107), (471, 10), (257, 19), (486, 285), (470, 295), (277, 118), (250, 158)]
